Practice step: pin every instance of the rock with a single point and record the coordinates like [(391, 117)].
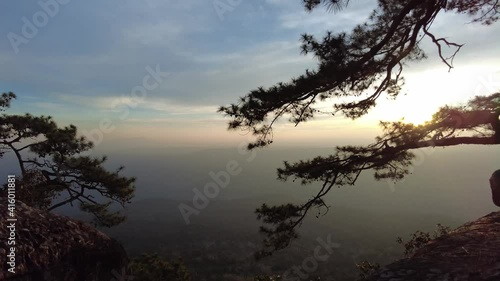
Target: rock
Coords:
[(54, 247), (469, 253)]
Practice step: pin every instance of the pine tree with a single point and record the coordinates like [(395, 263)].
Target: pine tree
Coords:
[(54, 172), (361, 66)]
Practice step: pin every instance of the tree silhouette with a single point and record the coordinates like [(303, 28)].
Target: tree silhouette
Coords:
[(53, 171), (361, 66)]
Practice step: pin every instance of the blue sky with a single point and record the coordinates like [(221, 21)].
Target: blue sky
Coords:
[(81, 66)]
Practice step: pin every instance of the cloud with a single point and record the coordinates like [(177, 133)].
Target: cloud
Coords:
[(165, 33), (94, 52), (116, 103), (294, 16), (179, 122)]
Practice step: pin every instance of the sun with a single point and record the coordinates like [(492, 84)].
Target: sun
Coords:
[(407, 110), (416, 118), (425, 92)]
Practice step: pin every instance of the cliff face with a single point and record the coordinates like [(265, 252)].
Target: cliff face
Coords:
[(53, 247), (469, 253)]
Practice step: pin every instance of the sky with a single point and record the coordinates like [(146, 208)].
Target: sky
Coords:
[(85, 63)]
